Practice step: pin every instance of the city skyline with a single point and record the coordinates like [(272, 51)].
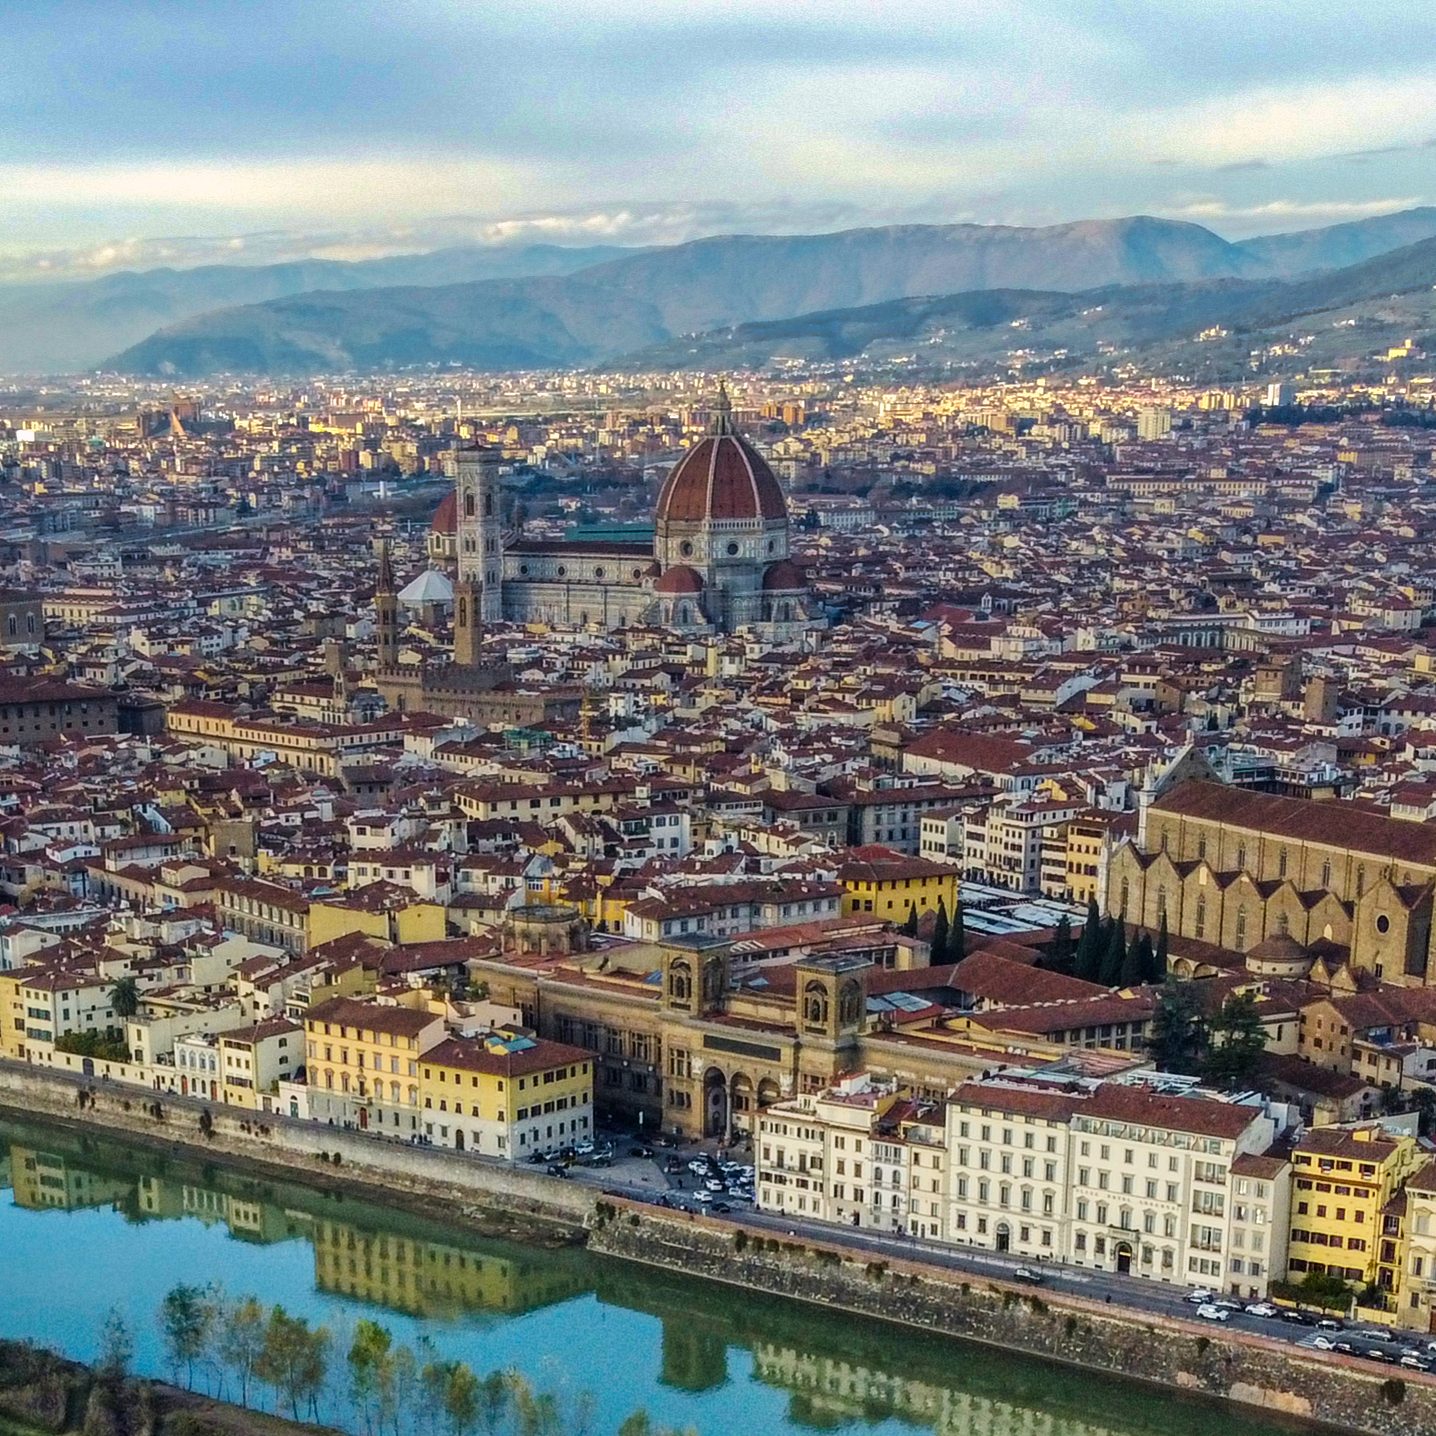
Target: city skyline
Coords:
[(609, 124)]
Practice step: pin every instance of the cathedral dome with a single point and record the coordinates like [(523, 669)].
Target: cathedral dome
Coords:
[(784, 577), (722, 477), (446, 516), (680, 579)]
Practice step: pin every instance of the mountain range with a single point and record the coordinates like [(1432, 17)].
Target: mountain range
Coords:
[(547, 306)]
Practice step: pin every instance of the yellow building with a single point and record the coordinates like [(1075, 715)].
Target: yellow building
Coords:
[(254, 1060), (362, 1061), (886, 883), (506, 1094), (1342, 1180), (380, 910)]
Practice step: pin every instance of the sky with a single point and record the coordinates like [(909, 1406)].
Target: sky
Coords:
[(135, 133)]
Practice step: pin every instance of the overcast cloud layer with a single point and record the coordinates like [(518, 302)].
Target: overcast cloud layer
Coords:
[(144, 132)]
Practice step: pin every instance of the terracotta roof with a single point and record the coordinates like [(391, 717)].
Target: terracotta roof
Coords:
[(1335, 822), (680, 579), (446, 516), (1114, 1102), (721, 477)]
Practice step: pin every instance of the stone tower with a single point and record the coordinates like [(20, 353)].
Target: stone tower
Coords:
[(468, 622), (479, 527), (386, 611)]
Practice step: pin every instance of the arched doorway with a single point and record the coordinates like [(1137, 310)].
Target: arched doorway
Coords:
[(1124, 1258), (1004, 1237), (363, 1119), (715, 1103), (458, 1139), (742, 1098)]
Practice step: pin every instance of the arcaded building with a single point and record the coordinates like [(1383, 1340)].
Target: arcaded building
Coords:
[(719, 560)]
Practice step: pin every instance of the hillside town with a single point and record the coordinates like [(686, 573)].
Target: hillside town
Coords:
[(1005, 815)]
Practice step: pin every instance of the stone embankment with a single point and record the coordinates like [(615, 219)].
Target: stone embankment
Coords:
[(1198, 1357), (1195, 1356), (432, 1179)]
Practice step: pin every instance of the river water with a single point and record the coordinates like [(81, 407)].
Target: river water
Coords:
[(88, 1225)]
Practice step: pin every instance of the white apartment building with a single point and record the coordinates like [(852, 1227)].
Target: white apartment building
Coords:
[(1008, 1150)]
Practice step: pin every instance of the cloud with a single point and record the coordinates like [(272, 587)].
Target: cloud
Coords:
[(1308, 212)]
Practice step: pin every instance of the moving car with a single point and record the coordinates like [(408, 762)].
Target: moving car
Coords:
[(1260, 1308), (1322, 1343), (1026, 1273), (639, 1150), (1199, 1296), (1296, 1316), (557, 1169), (1208, 1312)]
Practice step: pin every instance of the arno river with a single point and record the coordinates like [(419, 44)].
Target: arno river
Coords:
[(88, 1224)]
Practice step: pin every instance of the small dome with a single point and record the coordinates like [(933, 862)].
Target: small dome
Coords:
[(431, 586), (446, 516), (1277, 955), (784, 577), (680, 579)]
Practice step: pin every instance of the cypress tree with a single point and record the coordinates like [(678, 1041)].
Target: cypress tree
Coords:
[(1159, 958), (1087, 959), (1131, 973), (957, 935), (1115, 955), (939, 934), (1060, 950), (909, 927)]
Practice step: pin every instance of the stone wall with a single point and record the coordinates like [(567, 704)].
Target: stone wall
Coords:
[(1192, 1355), (311, 1150)]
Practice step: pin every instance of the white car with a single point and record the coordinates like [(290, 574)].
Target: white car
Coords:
[(1260, 1308), (699, 1166), (1208, 1312), (702, 1198), (1322, 1343)]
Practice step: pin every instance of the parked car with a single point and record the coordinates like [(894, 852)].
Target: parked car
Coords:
[(639, 1150), (703, 1198), (1296, 1317), (1373, 1333), (583, 1149), (1330, 1323), (699, 1166), (715, 1184), (1260, 1308), (1199, 1295), (722, 1207), (557, 1169), (1210, 1312), (1376, 1353), (1416, 1363), (1026, 1273)]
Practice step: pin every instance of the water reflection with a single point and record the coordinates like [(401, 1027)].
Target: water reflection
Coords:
[(709, 1357)]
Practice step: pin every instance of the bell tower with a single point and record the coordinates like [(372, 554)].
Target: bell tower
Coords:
[(479, 527), (468, 623), (386, 611)]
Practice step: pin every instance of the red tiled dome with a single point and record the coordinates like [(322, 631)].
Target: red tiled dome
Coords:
[(680, 579), (446, 516), (784, 577), (721, 477)]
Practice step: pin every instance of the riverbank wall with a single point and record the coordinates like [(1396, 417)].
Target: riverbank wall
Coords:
[(1194, 1356), (434, 1181)]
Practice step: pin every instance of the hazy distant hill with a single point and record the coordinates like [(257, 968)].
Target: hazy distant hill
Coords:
[(1336, 317), (52, 328), (697, 287)]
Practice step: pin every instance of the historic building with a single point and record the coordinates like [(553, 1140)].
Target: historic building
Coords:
[(719, 560), (470, 686), (1292, 883)]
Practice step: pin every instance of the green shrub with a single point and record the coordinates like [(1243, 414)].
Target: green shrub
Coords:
[(1394, 1390)]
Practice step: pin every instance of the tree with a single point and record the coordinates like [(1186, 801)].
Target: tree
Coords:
[(1087, 960), (117, 1346), (909, 927), (1061, 951), (125, 997), (370, 1367), (939, 933), (1131, 973), (241, 1341), (1114, 955), (1159, 957), (1176, 1035), (1236, 1041), (957, 935), (294, 1360), (186, 1315), (403, 1382)]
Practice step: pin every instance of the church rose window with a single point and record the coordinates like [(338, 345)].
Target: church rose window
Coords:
[(732, 549)]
